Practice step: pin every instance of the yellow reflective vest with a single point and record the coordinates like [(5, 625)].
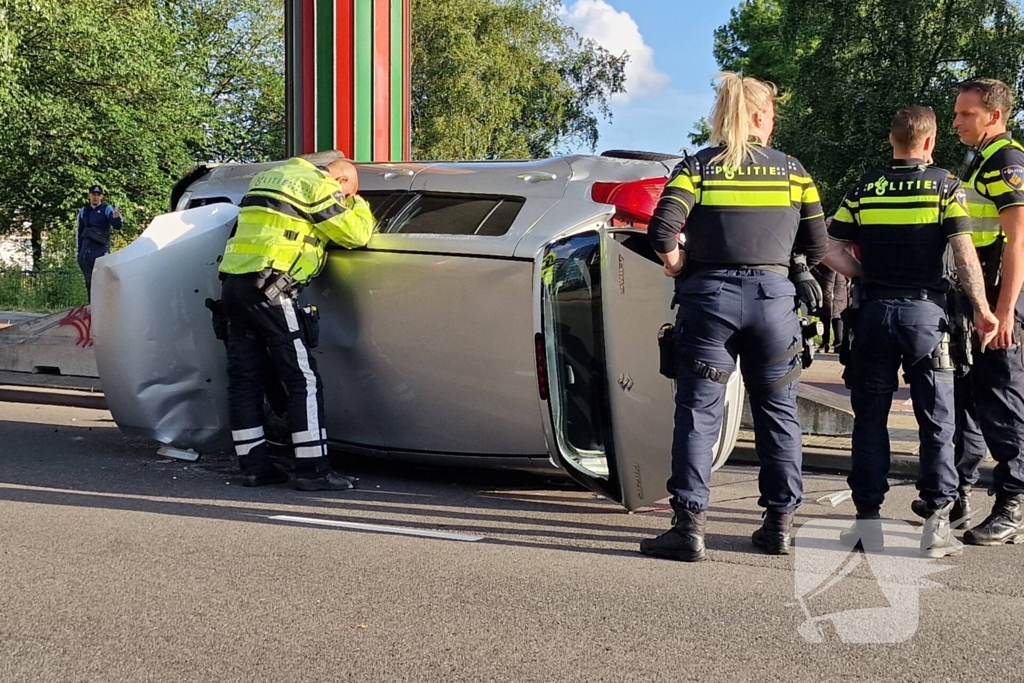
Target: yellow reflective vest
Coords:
[(996, 184), (288, 216)]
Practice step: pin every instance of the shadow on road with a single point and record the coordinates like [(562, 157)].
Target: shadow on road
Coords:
[(98, 467)]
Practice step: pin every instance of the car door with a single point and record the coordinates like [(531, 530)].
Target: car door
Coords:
[(604, 300)]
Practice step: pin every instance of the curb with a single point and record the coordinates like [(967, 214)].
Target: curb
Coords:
[(836, 461), (70, 398)]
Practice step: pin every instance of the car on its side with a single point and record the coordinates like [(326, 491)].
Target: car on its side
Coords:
[(504, 314)]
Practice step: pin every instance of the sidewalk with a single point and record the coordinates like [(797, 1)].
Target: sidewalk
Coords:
[(832, 453)]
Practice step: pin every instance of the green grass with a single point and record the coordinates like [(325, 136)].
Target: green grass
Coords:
[(42, 292)]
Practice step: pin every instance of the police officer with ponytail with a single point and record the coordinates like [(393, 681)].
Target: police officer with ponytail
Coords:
[(744, 210)]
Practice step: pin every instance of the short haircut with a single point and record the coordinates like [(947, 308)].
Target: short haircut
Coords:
[(911, 125), (323, 158), (994, 94)]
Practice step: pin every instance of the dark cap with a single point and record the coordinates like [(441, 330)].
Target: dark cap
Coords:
[(96, 188)]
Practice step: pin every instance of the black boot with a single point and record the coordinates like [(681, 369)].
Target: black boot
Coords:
[(258, 470), (684, 542), (774, 535), (937, 538), (1005, 524), (959, 516), (866, 533), (315, 474)]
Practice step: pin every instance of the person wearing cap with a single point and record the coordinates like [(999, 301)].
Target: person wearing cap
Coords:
[(95, 220)]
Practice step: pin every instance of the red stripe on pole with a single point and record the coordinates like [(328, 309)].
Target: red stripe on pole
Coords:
[(381, 80), (406, 154), (345, 90), (308, 78)]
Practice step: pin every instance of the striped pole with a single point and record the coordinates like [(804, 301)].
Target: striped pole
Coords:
[(347, 72)]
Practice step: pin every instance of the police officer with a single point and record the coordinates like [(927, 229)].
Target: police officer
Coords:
[(995, 189), (288, 217), (95, 220), (902, 216), (743, 208)]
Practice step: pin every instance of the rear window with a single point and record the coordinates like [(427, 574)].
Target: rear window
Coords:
[(456, 214)]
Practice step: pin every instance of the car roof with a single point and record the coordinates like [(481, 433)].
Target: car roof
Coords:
[(556, 206)]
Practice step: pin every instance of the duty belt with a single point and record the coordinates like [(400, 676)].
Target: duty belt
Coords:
[(871, 293), (694, 267)]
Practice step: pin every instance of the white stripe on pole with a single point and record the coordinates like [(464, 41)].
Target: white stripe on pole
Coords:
[(379, 528)]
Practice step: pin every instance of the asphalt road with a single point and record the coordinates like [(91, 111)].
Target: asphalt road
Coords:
[(117, 566)]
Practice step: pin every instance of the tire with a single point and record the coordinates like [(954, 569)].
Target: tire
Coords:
[(640, 156)]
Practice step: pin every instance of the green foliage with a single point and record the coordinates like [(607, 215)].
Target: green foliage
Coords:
[(504, 79), (130, 95), (846, 66)]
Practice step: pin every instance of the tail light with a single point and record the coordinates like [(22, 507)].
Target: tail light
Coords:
[(634, 201), (542, 366)]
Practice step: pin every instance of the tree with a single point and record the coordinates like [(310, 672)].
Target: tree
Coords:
[(504, 79), (131, 95), (90, 100), (847, 66)]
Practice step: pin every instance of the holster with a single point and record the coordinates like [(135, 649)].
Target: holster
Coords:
[(991, 258), (961, 328), (309, 321), (850, 317), (667, 351), (809, 330), (220, 319)]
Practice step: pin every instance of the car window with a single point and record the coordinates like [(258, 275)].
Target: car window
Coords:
[(456, 214)]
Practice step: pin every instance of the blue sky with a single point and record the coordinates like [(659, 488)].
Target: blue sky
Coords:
[(668, 80)]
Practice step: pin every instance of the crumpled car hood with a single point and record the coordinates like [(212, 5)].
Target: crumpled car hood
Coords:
[(163, 372)]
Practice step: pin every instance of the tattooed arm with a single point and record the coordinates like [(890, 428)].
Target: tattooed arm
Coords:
[(972, 281), (968, 270)]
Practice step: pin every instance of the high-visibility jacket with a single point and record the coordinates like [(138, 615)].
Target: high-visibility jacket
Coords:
[(288, 216), (997, 183)]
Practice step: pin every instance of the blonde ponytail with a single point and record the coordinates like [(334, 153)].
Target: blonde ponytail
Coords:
[(738, 99)]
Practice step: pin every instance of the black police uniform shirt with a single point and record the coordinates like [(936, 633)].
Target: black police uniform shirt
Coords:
[(901, 217), (759, 213)]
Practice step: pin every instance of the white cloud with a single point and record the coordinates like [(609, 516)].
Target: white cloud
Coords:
[(617, 32)]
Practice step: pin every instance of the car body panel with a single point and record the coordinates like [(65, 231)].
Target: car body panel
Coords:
[(427, 344)]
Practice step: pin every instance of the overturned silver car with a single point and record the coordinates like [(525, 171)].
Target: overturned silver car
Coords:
[(505, 314)]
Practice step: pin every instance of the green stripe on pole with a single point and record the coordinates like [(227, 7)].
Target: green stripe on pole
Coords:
[(325, 74), (397, 79), (364, 79)]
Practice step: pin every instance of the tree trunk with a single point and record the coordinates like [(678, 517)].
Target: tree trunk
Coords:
[(37, 244)]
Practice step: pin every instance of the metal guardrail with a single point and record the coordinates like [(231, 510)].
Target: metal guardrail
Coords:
[(42, 291)]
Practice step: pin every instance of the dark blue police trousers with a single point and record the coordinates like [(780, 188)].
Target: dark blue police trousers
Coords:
[(997, 387), (891, 332), (725, 314)]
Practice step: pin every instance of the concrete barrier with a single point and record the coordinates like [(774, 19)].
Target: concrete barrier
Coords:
[(60, 343), (821, 412)]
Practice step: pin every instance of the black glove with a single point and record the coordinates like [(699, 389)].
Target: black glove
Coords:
[(807, 288)]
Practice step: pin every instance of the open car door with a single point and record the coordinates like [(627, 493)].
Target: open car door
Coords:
[(604, 298)]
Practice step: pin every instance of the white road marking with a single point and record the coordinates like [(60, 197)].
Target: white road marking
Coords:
[(379, 528)]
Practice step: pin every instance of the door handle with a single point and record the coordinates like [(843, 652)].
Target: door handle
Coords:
[(398, 173), (536, 176)]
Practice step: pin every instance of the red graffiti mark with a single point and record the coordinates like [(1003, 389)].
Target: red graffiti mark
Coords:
[(81, 319)]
